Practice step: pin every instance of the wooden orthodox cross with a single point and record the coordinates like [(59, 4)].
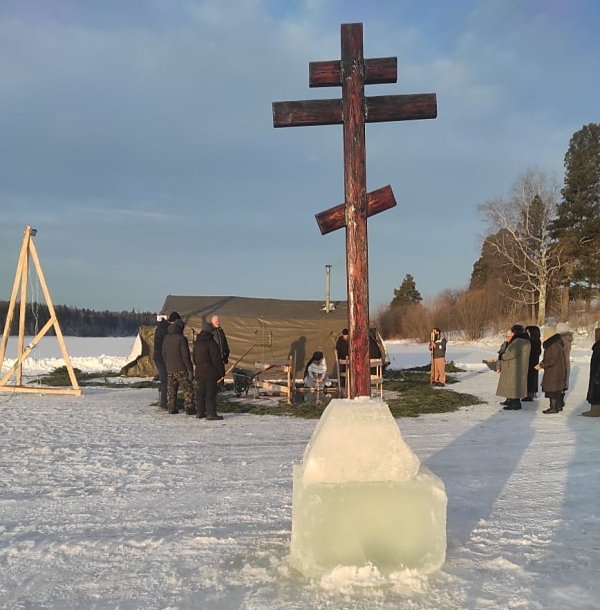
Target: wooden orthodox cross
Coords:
[(352, 111)]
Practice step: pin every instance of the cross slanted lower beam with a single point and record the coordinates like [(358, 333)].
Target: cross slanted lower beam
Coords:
[(352, 72)]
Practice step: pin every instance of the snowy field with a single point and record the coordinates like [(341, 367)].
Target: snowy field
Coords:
[(107, 503)]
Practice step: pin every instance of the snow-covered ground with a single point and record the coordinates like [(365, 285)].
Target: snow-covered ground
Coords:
[(107, 503)]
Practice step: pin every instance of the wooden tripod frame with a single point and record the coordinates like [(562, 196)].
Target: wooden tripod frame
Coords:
[(28, 250)]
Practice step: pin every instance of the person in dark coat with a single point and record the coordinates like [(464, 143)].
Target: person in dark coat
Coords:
[(210, 369), (341, 345), (534, 358), (593, 395), (566, 334), (159, 334), (180, 371), (554, 364), (501, 351), (341, 352), (220, 338), (513, 372)]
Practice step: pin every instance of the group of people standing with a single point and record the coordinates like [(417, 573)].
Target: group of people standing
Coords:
[(519, 365), (179, 368)]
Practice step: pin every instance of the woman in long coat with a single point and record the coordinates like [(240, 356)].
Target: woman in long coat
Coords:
[(593, 395), (555, 379), (513, 373), (534, 358)]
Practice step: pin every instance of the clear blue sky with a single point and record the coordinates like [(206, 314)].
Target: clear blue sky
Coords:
[(137, 138)]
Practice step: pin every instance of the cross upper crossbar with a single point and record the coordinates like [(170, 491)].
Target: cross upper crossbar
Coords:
[(352, 72)]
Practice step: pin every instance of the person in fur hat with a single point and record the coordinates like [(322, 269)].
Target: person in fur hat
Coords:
[(593, 395), (554, 365)]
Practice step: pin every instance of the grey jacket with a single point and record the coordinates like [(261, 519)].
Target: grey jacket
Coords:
[(513, 374)]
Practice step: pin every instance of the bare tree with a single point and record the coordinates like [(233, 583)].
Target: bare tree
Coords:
[(519, 230), (474, 313)]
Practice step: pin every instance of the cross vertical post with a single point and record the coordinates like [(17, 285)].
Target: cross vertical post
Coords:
[(355, 192), (353, 110)]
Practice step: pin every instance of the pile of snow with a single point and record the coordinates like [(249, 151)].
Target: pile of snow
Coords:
[(88, 354)]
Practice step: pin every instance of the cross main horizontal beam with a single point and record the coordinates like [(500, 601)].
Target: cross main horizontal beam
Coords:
[(335, 218), (383, 108), (378, 109)]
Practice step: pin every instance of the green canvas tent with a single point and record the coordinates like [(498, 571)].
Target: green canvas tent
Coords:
[(258, 329), (141, 363)]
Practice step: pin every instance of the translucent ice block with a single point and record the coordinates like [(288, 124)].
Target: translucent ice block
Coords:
[(361, 497)]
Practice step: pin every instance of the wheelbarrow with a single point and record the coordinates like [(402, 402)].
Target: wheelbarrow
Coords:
[(242, 379)]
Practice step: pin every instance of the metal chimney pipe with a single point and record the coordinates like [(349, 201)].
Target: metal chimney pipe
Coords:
[(327, 287)]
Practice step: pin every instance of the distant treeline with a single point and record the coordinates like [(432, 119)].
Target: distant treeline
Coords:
[(76, 322)]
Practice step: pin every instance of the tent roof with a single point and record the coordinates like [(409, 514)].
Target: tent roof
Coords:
[(206, 306)]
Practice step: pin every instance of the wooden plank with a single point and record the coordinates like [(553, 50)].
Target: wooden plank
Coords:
[(378, 71), (384, 108), (40, 390), (23, 309), (335, 218), (13, 297), (377, 109), (306, 113)]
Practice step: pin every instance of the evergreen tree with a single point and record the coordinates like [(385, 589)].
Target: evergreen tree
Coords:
[(490, 267), (407, 294), (576, 226)]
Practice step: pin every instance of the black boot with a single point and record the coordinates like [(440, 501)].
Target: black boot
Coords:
[(554, 406), (514, 404), (551, 410)]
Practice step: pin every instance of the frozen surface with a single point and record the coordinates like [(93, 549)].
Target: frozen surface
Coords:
[(360, 498), (106, 503)]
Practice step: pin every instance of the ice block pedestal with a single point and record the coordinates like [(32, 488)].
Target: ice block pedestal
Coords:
[(361, 496)]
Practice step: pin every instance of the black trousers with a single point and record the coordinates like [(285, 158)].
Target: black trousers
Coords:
[(206, 397)]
